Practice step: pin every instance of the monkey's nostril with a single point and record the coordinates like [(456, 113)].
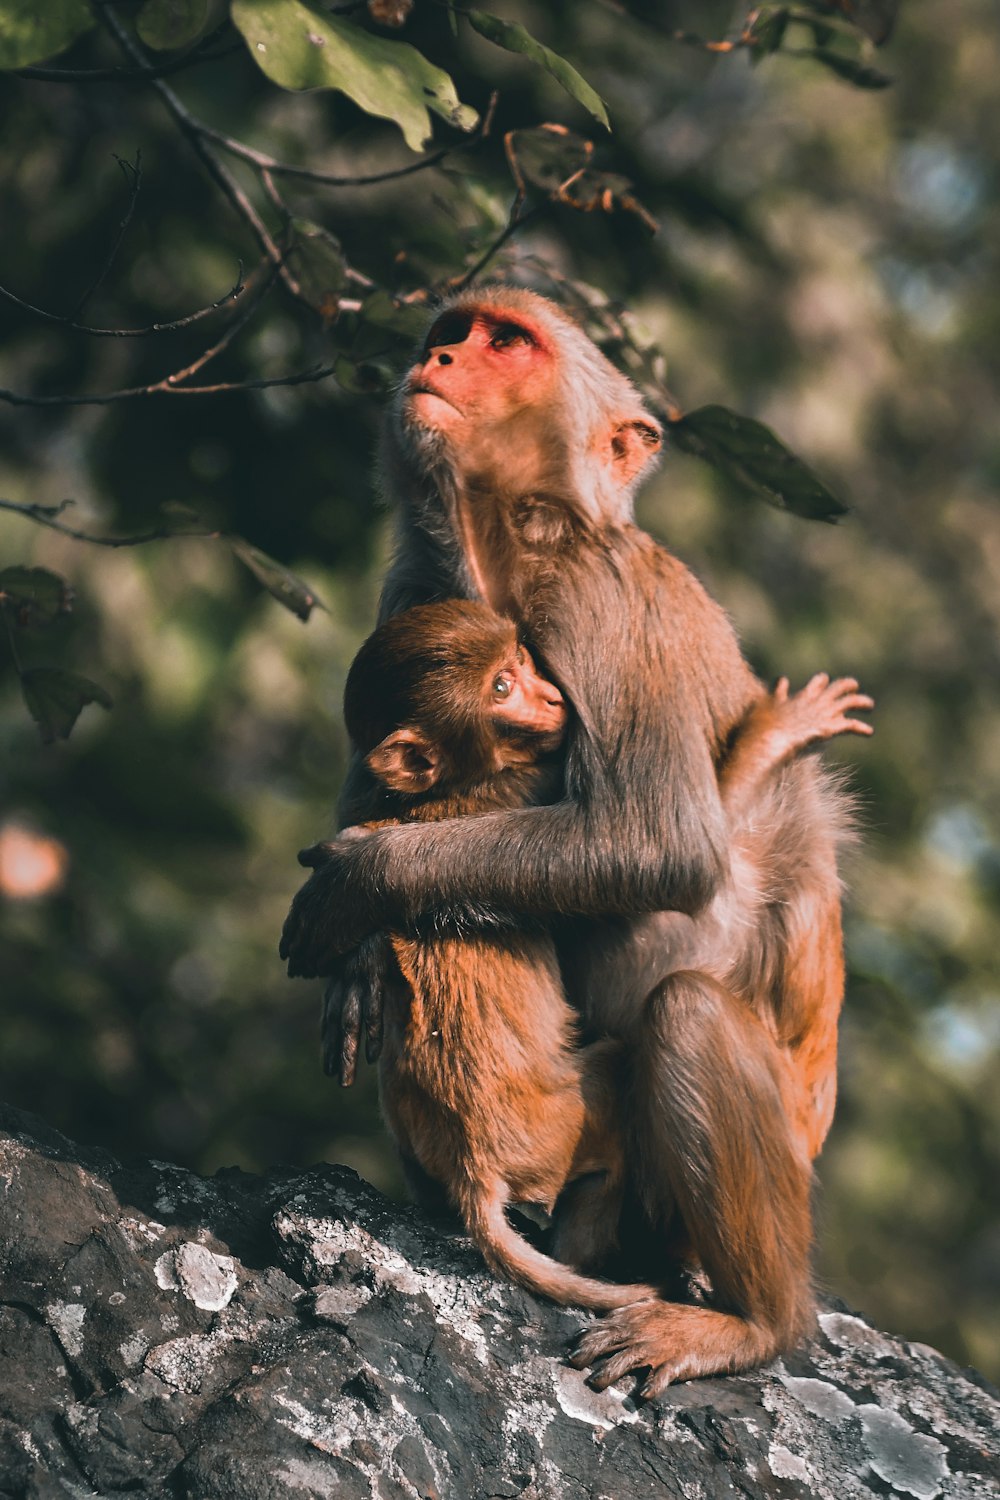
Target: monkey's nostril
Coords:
[(445, 359)]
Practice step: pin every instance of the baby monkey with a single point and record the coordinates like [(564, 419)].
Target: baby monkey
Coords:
[(482, 1082)]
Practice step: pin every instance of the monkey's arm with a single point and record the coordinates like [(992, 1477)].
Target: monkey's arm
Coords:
[(642, 828), (778, 726), (631, 845)]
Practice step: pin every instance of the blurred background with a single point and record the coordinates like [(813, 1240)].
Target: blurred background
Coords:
[(826, 261)]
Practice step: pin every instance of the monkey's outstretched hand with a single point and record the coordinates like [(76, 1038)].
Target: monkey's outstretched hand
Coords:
[(344, 899)]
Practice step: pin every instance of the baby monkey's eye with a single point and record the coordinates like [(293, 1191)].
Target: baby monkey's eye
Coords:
[(507, 335), (502, 684)]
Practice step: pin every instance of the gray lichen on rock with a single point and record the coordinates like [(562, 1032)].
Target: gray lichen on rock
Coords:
[(245, 1338)]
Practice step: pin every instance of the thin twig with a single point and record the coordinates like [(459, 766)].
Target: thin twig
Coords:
[(161, 388), (47, 515), (191, 130), (516, 221), (226, 338), (129, 333), (132, 172), (172, 384), (124, 75), (265, 163), (198, 54)]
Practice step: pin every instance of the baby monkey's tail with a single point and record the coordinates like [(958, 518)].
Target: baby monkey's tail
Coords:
[(506, 1252)]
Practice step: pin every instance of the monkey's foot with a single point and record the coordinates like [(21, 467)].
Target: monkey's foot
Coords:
[(672, 1341)]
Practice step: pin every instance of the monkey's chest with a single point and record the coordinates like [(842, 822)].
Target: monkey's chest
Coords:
[(486, 1049)]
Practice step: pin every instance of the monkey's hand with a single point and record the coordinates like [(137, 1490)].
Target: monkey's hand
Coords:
[(354, 997), (344, 899)]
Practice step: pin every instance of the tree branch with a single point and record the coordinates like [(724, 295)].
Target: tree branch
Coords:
[(516, 221), (191, 130), (128, 333), (125, 75), (132, 172), (48, 515), (271, 164), (162, 388)]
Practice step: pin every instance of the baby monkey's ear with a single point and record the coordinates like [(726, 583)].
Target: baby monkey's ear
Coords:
[(405, 761)]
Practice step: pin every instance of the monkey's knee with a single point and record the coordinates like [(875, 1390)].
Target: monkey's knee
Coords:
[(689, 997), (704, 1045)]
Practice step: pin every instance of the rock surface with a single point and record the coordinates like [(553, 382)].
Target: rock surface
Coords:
[(246, 1338)]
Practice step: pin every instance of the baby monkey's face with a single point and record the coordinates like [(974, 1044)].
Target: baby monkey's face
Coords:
[(522, 703), (467, 699)]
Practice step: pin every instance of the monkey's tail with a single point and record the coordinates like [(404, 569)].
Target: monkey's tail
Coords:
[(506, 1252)]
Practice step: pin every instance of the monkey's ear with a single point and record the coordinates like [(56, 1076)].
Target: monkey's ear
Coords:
[(405, 762), (633, 444)]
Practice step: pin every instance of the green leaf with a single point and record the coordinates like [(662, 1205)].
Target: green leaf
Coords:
[(401, 318), (767, 33), (548, 155), (36, 596), (31, 31), (286, 587), (749, 453), (55, 697), (318, 265), (512, 36), (300, 48), (876, 18), (167, 24), (364, 377), (849, 68)]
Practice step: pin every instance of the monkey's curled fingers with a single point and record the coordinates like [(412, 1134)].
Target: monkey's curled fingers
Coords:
[(344, 899), (818, 711), (824, 706), (665, 1338), (340, 1026), (354, 997)]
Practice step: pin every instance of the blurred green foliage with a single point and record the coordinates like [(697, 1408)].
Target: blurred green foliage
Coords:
[(826, 263)]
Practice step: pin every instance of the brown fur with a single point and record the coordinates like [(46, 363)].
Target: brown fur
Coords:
[(514, 461), (494, 1111), (491, 1110)]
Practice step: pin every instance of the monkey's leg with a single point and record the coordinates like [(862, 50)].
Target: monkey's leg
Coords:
[(711, 1108), (590, 1206), (812, 989), (427, 1193)]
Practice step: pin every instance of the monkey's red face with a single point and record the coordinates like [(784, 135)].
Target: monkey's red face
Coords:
[(522, 702), (481, 371)]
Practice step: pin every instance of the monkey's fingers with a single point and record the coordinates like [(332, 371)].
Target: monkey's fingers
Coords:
[(329, 1030), (816, 686), (614, 1354), (844, 698), (853, 699), (371, 1011), (350, 1027)]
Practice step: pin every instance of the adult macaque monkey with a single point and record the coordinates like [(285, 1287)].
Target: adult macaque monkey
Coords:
[(454, 719), (513, 449)]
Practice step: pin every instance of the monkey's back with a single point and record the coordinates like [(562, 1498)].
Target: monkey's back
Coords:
[(478, 1074)]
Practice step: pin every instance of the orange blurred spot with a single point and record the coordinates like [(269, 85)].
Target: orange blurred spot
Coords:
[(30, 866)]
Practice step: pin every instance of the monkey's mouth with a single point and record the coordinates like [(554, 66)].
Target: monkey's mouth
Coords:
[(421, 388)]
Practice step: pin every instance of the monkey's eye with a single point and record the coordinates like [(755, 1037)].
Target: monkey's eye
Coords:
[(508, 335), (502, 684), (453, 328)]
